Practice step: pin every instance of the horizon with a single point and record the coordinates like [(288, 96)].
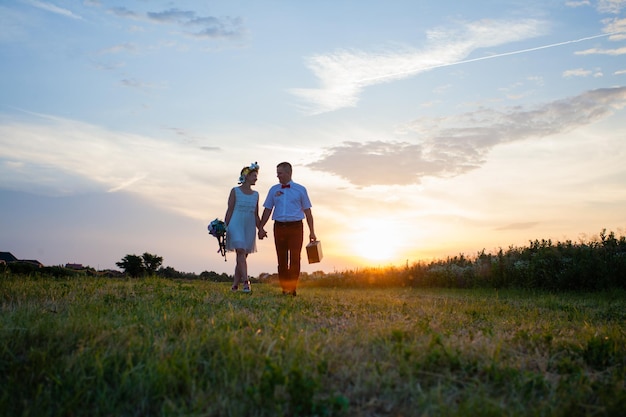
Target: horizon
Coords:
[(420, 130), (583, 240)]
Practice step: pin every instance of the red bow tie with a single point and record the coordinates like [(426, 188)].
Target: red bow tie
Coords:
[(285, 186)]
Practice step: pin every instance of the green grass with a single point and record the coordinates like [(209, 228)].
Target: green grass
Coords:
[(147, 347)]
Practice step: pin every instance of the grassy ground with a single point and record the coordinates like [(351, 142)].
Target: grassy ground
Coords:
[(101, 347)]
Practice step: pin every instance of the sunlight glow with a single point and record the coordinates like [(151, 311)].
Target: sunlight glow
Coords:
[(374, 246)]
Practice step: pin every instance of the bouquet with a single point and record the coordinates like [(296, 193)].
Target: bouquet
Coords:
[(217, 228)]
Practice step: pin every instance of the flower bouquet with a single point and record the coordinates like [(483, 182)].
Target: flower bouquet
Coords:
[(217, 228)]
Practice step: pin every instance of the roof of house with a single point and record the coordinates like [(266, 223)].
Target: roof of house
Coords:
[(7, 257), (31, 261)]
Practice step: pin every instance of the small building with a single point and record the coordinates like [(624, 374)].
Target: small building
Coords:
[(8, 258)]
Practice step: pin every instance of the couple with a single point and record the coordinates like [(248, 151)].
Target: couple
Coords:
[(290, 203)]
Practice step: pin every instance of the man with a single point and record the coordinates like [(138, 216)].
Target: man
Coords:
[(290, 203)]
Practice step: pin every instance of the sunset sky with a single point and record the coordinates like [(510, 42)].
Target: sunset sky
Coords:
[(421, 129)]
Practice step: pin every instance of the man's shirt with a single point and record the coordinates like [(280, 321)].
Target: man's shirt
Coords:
[(288, 201)]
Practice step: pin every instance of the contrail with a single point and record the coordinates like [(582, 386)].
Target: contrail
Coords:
[(521, 51)]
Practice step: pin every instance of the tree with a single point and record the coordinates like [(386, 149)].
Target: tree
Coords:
[(168, 272), (151, 262), (136, 266), (132, 265)]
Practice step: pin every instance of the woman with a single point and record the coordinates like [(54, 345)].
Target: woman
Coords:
[(242, 221)]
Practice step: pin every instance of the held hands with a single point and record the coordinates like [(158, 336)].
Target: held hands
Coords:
[(262, 234)]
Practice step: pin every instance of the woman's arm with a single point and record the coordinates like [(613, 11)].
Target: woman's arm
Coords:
[(231, 206)]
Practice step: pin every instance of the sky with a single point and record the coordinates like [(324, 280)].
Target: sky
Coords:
[(420, 129)]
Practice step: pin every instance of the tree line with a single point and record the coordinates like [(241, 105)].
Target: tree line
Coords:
[(543, 264)]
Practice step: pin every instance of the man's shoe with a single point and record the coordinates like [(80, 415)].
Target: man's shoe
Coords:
[(247, 287), (234, 288)]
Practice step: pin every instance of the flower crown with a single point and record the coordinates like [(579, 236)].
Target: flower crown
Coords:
[(244, 172)]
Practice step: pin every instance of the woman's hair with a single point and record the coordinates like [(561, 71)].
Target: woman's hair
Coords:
[(246, 170)]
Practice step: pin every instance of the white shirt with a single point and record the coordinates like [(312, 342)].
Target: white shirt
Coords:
[(288, 203)]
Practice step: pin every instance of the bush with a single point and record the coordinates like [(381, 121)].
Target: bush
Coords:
[(543, 264)]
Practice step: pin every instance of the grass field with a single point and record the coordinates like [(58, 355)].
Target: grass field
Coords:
[(148, 347)]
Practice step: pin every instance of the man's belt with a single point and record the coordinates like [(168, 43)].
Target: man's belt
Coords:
[(287, 224)]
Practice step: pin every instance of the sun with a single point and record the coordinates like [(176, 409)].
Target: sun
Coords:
[(374, 248), (373, 242)]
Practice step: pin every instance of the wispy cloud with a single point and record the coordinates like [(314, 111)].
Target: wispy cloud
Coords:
[(578, 3), (126, 183), (70, 156), (172, 16), (616, 27), (116, 49), (451, 146), (208, 27), (611, 6), (53, 9), (598, 51), (578, 72), (125, 13), (345, 73)]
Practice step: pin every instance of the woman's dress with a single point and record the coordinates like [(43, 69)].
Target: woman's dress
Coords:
[(241, 230)]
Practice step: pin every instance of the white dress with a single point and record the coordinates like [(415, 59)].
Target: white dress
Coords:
[(241, 231)]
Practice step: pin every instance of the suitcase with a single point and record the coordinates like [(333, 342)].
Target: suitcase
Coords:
[(314, 251)]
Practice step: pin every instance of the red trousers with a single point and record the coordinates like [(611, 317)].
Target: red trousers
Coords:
[(288, 238)]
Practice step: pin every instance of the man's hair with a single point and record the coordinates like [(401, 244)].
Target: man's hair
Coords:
[(286, 166)]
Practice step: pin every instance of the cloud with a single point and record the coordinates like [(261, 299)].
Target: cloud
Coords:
[(140, 85), (116, 49), (578, 72), (53, 9), (578, 3), (616, 27), (172, 15), (126, 183), (56, 156), (451, 146), (230, 28), (597, 51), (343, 74), (208, 27), (124, 12), (611, 6)]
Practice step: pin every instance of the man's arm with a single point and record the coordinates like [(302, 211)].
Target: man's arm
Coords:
[(309, 221)]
